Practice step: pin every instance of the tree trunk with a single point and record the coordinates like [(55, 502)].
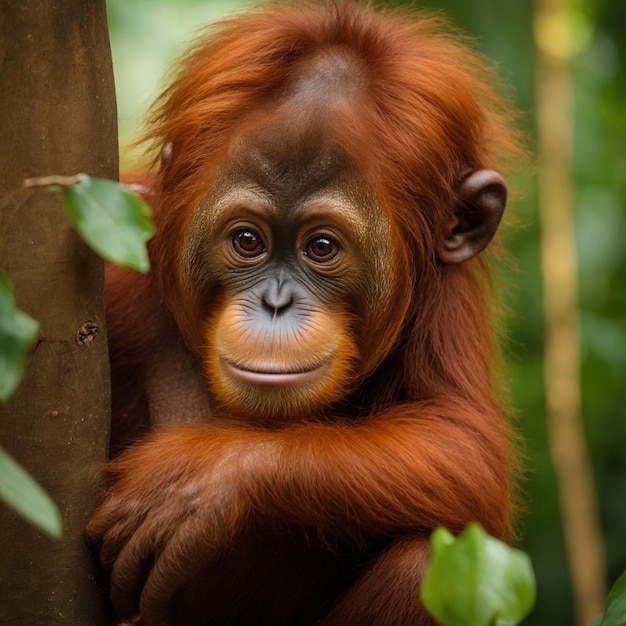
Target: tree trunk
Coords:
[(577, 494), (57, 116)]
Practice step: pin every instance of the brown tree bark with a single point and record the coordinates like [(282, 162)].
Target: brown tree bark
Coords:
[(57, 116)]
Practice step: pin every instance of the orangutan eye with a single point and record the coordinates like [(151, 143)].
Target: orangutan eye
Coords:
[(321, 249), (247, 244)]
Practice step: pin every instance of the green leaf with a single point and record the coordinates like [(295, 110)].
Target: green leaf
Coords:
[(20, 491), (17, 333), (112, 220), (615, 614), (476, 580)]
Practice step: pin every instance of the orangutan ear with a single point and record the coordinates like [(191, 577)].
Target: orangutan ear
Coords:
[(166, 153), (482, 200)]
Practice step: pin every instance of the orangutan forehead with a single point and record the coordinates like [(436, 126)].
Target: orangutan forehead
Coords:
[(332, 77), (293, 140), (293, 149)]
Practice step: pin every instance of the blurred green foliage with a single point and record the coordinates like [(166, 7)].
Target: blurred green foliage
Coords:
[(148, 34)]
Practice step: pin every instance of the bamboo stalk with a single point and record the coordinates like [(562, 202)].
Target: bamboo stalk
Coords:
[(577, 495)]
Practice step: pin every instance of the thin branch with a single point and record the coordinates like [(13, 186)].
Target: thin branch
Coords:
[(46, 181)]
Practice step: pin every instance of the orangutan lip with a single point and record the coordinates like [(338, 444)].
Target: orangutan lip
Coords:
[(271, 379)]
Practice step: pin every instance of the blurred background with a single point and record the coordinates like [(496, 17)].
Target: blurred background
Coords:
[(563, 63)]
